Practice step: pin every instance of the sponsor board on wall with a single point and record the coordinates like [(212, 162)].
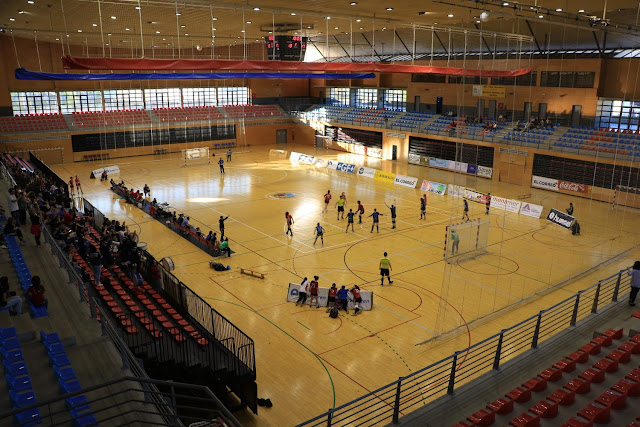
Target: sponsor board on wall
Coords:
[(323, 294), (474, 196), (456, 191), (572, 186), (531, 210), (485, 171), (111, 170), (472, 169), (406, 181), (505, 204), (332, 164), (433, 187), (373, 152), (489, 91), (365, 171), (560, 218), (545, 183), (381, 176), (414, 158), (459, 166), (345, 167), (439, 163)]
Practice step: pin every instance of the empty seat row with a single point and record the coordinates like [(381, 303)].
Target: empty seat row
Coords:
[(24, 276)]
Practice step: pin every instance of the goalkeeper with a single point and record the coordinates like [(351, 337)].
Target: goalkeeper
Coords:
[(455, 242)]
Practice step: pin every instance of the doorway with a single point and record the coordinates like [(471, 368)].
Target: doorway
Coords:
[(281, 136)]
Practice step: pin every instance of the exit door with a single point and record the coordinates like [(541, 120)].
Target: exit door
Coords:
[(394, 152), (281, 136)]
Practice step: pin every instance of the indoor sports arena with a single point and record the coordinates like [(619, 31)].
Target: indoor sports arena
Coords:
[(331, 213)]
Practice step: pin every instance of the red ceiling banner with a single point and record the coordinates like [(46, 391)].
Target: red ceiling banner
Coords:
[(76, 63)]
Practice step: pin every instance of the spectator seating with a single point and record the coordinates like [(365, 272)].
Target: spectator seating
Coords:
[(252, 111), (325, 112), (411, 120), (24, 276), (585, 369), (188, 114), (17, 161), (32, 122), (78, 406), (16, 375), (97, 119), (624, 142)]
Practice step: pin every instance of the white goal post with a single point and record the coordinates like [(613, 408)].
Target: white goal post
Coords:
[(193, 156), (626, 196), (466, 240)]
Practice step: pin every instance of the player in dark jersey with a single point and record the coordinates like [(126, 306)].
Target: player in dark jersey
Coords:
[(423, 207), (488, 203), (392, 208), (221, 224), (221, 164), (289, 219), (376, 220), (360, 212), (350, 216), (319, 231), (466, 209)]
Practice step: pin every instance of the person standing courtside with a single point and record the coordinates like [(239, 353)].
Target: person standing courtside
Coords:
[(289, 219), (302, 292), (385, 269), (376, 220), (221, 164), (634, 272), (331, 299), (570, 210), (221, 225), (313, 292), (488, 203), (327, 199)]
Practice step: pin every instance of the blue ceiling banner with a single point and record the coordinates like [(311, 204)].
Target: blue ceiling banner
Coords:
[(23, 74)]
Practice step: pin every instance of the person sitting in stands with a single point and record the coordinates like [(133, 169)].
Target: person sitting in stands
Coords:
[(199, 233), (185, 222), (10, 229), (35, 293), (8, 298)]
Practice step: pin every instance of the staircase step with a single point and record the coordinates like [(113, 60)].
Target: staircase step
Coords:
[(24, 326), (5, 320), (66, 333)]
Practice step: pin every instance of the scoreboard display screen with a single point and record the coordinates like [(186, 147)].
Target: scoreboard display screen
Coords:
[(286, 48)]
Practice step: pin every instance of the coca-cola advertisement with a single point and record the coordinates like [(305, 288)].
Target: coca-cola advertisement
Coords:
[(572, 186)]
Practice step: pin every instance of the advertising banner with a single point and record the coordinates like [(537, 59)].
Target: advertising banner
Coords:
[(456, 191), (381, 176), (560, 218), (572, 186), (414, 158), (505, 204), (472, 169), (323, 295), (439, 163), (474, 196), (367, 172), (301, 158), (531, 210), (545, 183), (424, 160), (406, 181), (460, 166), (451, 164), (278, 154), (373, 152), (433, 187), (489, 91), (345, 167), (332, 164), (109, 169), (485, 171)]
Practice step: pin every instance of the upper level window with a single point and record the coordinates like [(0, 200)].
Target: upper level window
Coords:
[(367, 98), (123, 99), (233, 95), (80, 101), (339, 96), (162, 98), (34, 102), (199, 96)]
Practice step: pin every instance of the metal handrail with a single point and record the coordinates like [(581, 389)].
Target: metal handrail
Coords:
[(392, 400)]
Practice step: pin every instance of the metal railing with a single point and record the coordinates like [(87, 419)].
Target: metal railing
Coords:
[(390, 402)]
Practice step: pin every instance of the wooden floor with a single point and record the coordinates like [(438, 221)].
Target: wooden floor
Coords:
[(307, 362)]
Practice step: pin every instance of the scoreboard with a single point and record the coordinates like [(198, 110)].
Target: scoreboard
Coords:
[(286, 48)]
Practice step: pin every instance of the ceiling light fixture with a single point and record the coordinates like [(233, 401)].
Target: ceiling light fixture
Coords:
[(435, 23), (12, 19), (328, 17), (79, 31), (358, 20), (335, 28), (30, 1), (183, 26), (127, 29), (109, 34), (213, 29), (113, 17), (293, 14), (178, 14), (95, 25), (256, 8), (581, 11), (186, 34), (138, 8), (362, 28), (540, 16), (389, 8), (505, 4), (450, 15), (353, 3), (248, 22), (242, 31), (214, 19), (21, 12), (559, 10), (157, 32)]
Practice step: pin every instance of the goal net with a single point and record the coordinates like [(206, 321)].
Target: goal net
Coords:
[(466, 240), (626, 196), (196, 156)]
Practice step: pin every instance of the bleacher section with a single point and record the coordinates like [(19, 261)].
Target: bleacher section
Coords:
[(411, 120), (369, 116), (32, 122), (530, 137), (602, 141), (24, 276), (599, 378), (252, 111), (100, 119), (188, 114)]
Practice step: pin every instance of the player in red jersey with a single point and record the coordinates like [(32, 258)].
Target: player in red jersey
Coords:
[(360, 212), (71, 186), (331, 300), (357, 299), (327, 199), (313, 291), (78, 185), (289, 219)]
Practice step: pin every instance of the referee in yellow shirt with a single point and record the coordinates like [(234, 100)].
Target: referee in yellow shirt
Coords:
[(385, 268), (340, 204)]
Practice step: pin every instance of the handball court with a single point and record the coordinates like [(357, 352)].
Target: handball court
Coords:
[(307, 362)]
